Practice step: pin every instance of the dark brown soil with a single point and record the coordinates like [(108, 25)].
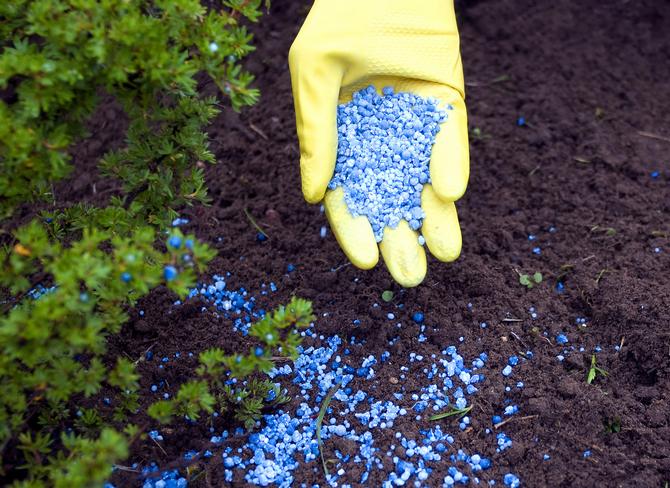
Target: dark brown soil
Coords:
[(590, 78)]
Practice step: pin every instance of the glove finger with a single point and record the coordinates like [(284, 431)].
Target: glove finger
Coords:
[(440, 226), (450, 157), (354, 234), (316, 87), (403, 255)]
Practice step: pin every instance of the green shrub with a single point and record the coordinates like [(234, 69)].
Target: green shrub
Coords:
[(278, 332), (59, 56), (52, 345), (69, 276)]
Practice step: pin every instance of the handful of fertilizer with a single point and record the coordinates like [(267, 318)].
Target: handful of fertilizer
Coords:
[(383, 155)]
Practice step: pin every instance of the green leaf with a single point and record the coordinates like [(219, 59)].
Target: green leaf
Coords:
[(162, 411), (123, 376), (319, 422), (456, 412)]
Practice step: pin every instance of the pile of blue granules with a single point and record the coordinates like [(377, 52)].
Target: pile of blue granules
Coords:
[(383, 154)]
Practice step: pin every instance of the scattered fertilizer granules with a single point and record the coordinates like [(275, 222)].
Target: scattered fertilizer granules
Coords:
[(383, 154)]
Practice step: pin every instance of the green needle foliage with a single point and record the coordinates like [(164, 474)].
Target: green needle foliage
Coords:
[(69, 276), (58, 56), (52, 345), (278, 332)]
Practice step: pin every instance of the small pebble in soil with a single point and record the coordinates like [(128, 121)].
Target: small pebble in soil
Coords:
[(383, 154), (417, 317), (511, 480), (179, 221), (562, 339), (170, 273), (175, 242)]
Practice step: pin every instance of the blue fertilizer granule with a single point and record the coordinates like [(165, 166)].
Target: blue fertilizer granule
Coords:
[(383, 155)]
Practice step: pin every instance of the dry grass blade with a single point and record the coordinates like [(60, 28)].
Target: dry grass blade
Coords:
[(651, 135), (253, 222)]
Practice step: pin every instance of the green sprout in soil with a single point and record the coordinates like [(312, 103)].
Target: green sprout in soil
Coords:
[(387, 296), (594, 370), (612, 425), (529, 281), (478, 134), (454, 412), (607, 231)]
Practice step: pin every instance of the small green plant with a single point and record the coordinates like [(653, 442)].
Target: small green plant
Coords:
[(529, 281), (387, 295), (52, 341), (607, 231), (319, 423), (454, 412), (478, 134), (612, 425), (594, 370), (214, 390)]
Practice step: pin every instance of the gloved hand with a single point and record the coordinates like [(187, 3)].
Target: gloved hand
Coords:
[(412, 46)]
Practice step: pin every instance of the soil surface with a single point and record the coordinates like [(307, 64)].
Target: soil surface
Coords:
[(583, 177)]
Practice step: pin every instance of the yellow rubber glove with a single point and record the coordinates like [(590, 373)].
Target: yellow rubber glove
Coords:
[(412, 46)]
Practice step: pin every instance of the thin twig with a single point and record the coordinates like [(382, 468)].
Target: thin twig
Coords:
[(601, 274), (651, 135), (280, 358), (519, 339), (340, 267), (527, 417), (512, 320), (253, 222), (258, 131), (498, 79), (159, 446), (143, 355)]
